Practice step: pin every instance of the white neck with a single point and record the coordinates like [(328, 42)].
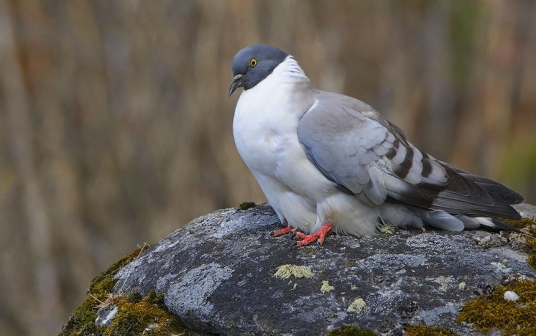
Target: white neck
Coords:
[(289, 72), (284, 91)]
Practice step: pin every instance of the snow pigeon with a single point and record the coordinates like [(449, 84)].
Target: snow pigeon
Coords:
[(328, 162)]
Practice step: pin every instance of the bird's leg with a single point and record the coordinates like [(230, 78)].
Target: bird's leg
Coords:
[(320, 235), (285, 230)]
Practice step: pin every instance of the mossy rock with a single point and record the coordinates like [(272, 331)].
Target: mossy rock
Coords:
[(137, 315), (219, 265), (419, 330), (527, 225), (492, 311), (247, 205), (351, 331)]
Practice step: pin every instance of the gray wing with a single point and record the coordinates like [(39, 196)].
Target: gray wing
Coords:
[(365, 155)]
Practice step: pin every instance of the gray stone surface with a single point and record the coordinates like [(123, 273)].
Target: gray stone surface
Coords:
[(217, 271), (106, 315)]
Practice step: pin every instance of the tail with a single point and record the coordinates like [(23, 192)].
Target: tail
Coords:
[(445, 221), (407, 216), (508, 195)]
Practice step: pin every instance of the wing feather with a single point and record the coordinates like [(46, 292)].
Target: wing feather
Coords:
[(364, 154)]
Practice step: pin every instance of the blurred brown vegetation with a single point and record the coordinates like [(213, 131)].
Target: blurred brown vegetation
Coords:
[(115, 127)]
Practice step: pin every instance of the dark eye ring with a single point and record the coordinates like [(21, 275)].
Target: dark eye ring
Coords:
[(253, 62)]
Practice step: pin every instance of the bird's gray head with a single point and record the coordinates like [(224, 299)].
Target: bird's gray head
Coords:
[(253, 64)]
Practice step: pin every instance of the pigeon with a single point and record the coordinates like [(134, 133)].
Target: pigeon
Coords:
[(331, 163)]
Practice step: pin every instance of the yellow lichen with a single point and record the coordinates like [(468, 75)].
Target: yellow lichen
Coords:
[(388, 229), (288, 270), (357, 306), (443, 281), (326, 287)]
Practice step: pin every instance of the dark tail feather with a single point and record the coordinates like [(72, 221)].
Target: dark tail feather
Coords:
[(508, 195), (463, 196), (493, 224)]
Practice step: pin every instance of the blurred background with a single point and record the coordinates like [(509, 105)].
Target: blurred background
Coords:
[(116, 128)]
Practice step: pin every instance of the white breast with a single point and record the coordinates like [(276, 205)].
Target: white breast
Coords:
[(265, 132)]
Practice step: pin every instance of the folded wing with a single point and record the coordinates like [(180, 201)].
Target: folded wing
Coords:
[(365, 155)]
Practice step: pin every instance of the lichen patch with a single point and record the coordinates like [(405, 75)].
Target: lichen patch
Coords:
[(443, 281), (288, 270), (357, 306), (326, 287), (388, 229)]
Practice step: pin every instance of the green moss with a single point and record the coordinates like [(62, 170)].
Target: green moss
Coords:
[(143, 317), (136, 314), (134, 297), (105, 282), (246, 205), (156, 299), (528, 224), (82, 321), (351, 331), (491, 311), (532, 261), (520, 223), (420, 330)]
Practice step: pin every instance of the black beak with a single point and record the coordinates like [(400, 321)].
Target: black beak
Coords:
[(237, 82)]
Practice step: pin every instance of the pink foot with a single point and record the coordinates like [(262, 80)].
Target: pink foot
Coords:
[(320, 235), (283, 231)]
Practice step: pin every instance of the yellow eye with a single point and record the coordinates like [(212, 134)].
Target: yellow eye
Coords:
[(253, 62)]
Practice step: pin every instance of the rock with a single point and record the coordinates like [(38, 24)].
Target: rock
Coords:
[(511, 296), (217, 274), (106, 315)]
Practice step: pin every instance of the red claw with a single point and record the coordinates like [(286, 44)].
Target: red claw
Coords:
[(283, 231), (320, 235)]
